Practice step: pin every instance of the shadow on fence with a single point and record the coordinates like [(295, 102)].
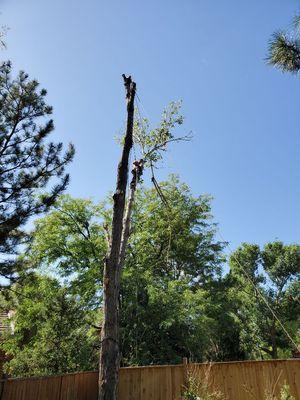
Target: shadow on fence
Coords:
[(246, 380)]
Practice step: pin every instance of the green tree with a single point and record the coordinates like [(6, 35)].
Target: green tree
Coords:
[(176, 236), (284, 49), (226, 340), (27, 161), (164, 321), (271, 273), (70, 241), (172, 260), (52, 330), (171, 250)]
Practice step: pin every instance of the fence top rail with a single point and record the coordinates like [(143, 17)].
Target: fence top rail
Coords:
[(47, 376), (86, 372), (277, 360), (150, 367)]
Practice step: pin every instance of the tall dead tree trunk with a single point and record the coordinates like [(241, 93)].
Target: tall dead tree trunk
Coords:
[(110, 352)]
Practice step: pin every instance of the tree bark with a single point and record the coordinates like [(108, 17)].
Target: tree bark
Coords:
[(137, 172), (110, 352)]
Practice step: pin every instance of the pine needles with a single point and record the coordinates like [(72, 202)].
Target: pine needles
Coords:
[(284, 49)]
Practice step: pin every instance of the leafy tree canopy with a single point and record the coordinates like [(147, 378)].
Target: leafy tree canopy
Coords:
[(271, 273), (172, 249), (52, 329), (174, 300)]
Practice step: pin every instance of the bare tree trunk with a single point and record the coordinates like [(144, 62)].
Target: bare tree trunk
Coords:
[(110, 353), (137, 172)]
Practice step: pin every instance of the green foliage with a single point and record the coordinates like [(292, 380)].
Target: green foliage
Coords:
[(52, 332), (179, 238), (284, 49), (172, 261), (174, 300), (282, 263), (153, 142), (71, 241), (162, 322), (285, 393), (226, 342), (27, 161), (271, 273)]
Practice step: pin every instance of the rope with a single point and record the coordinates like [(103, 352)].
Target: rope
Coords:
[(165, 202), (145, 112)]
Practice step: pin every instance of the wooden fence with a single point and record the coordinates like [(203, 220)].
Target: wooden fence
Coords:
[(236, 380)]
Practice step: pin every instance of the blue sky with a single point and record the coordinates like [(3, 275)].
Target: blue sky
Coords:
[(211, 54)]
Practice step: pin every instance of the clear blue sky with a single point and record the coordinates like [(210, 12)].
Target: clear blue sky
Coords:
[(210, 54)]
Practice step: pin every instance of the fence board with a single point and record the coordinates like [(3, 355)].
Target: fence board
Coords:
[(250, 380), (237, 380), (130, 383), (48, 389)]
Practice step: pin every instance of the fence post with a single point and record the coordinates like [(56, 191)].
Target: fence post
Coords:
[(60, 387), (185, 375), (2, 384)]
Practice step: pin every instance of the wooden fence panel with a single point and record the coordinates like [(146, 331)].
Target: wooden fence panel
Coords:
[(130, 384), (249, 380), (32, 389), (153, 383), (86, 386), (237, 380), (161, 382), (79, 386), (49, 389), (177, 373), (67, 391)]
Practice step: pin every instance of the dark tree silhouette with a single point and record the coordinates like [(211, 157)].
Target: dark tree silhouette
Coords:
[(27, 161)]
